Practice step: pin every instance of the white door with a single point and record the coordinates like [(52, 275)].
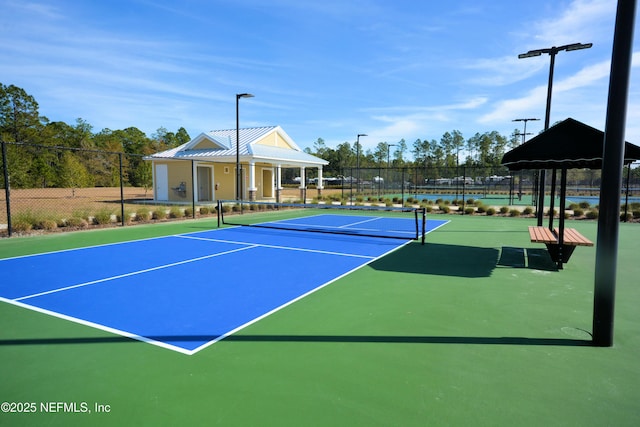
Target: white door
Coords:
[(204, 184), (162, 183)]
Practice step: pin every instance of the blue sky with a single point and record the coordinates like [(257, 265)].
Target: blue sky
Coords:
[(392, 69)]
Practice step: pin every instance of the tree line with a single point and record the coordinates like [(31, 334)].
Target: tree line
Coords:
[(451, 151), (44, 153)]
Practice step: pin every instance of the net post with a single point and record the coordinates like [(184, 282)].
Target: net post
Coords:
[(424, 224), (415, 214), (219, 208)]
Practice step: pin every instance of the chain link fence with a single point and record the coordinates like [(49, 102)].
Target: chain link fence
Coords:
[(495, 185), (54, 187)]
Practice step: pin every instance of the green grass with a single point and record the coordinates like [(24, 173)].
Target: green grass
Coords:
[(457, 332)]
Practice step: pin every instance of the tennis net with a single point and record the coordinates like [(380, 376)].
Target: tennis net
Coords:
[(407, 223)]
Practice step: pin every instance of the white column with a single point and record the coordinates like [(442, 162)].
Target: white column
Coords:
[(320, 186), (278, 183), (252, 180), (303, 183), (278, 177), (252, 176)]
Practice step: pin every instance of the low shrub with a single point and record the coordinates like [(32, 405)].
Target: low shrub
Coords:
[(577, 212), (129, 216), (491, 211), (444, 208), (504, 210), (76, 221), (102, 217), (481, 208), (85, 214), (48, 224), (143, 214), (527, 211), (636, 214), (469, 211), (188, 212), (592, 214), (584, 205), (159, 213), (514, 212), (21, 226), (204, 210)]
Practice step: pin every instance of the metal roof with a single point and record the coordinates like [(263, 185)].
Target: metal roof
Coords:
[(226, 140)]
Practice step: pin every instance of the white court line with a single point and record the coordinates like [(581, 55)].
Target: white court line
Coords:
[(360, 222), (288, 303), (209, 343), (93, 282), (98, 326), (288, 248), (124, 242)]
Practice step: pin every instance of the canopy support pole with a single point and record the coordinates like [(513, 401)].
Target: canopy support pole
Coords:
[(612, 164)]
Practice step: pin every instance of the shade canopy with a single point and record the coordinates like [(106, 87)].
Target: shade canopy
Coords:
[(569, 144)]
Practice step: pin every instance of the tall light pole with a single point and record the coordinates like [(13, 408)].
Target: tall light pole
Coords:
[(389, 152), (238, 171), (388, 163), (358, 161), (524, 136), (552, 51)]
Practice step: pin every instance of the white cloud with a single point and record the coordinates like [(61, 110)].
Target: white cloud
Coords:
[(582, 21)]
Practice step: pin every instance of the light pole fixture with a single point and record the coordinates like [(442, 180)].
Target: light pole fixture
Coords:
[(552, 51), (524, 136), (524, 132), (358, 160), (238, 171), (389, 152)]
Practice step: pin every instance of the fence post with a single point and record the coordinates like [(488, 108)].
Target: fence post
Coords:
[(121, 190), (403, 179), (193, 189), (7, 191)]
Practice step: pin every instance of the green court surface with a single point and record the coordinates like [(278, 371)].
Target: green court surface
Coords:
[(468, 330)]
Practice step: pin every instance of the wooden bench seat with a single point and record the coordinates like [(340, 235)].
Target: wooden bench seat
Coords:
[(573, 237), (559, 253), (542, 235)]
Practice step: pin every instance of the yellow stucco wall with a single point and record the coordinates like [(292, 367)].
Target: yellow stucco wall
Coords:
[(177, 173), (274, 140), (204, 145), (224, 178)]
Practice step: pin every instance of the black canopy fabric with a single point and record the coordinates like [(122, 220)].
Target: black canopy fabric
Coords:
[(569, 144)]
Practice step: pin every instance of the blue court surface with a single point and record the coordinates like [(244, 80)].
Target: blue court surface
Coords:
[(185, 292)]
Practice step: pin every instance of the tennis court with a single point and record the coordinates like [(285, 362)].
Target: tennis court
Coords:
[(454, 332), (187, 291)]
